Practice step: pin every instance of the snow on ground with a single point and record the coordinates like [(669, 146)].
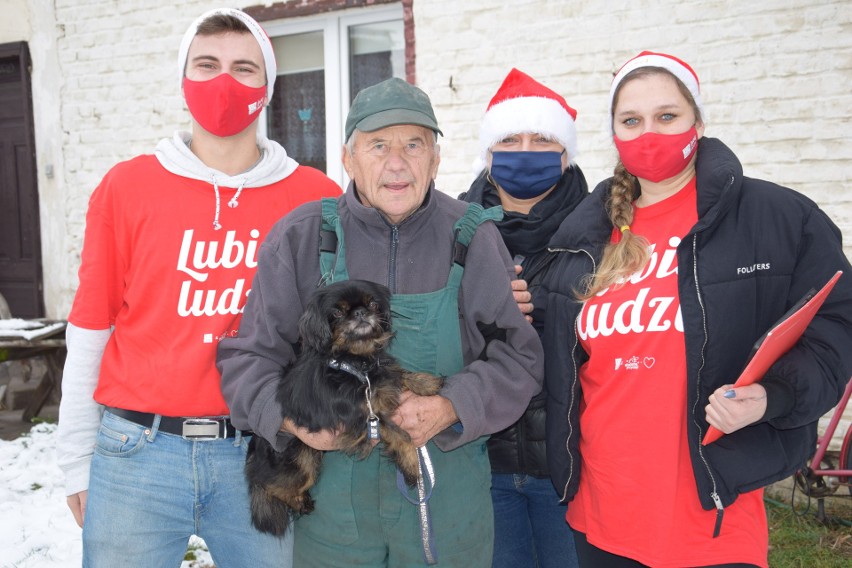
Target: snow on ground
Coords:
[(36, 527)]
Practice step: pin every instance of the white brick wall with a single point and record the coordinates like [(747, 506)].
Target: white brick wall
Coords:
[(775, 78), (114, 93)]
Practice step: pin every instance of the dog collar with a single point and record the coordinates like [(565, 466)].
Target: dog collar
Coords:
[(360, 373), (351, 369)]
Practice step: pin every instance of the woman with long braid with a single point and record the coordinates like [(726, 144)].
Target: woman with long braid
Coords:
[(664, 279)]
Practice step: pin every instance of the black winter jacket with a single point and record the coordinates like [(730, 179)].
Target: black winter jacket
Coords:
[(520, 448), (756, 249)]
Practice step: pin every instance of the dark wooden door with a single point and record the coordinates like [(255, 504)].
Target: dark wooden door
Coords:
[(20, 243)]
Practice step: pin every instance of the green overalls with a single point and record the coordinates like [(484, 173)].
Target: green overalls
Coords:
[(361, 517)]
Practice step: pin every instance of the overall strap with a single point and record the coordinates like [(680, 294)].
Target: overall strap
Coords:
[(464, 230), (331, 249), (449, 343)]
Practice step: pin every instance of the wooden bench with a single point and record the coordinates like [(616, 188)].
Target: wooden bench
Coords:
[(46, 341)]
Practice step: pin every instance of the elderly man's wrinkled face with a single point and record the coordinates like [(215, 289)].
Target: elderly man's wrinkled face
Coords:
[(392, 168)]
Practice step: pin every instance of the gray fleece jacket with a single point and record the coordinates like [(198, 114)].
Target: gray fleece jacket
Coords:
[(413, 257)]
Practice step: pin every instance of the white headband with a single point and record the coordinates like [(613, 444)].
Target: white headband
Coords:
[(255, 29)]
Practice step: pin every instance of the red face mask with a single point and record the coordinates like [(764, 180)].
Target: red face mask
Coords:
[(223, 106), (656, 157)]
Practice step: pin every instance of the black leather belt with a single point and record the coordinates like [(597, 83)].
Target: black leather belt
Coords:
[(197, 429)]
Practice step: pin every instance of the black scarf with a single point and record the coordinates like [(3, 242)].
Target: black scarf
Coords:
[(528, 235)]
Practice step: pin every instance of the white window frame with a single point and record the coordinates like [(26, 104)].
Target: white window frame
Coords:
[(335, 28)]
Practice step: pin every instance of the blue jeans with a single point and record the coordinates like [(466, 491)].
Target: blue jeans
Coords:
[(529, 524), (150, 491)]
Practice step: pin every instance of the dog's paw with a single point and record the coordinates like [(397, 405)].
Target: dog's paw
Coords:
[(401, 451), (410, 477), (422, 384), (304, 505)]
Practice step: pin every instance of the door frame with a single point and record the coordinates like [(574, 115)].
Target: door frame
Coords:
[(31, 204)]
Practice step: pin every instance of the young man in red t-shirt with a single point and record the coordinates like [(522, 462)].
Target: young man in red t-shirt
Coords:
[(148, 451)]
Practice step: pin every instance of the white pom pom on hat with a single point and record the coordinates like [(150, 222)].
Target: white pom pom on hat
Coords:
[(523, 105), (258, 32), (670, 63)]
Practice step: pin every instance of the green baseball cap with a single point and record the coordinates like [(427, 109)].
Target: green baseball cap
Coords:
[(389, 103)]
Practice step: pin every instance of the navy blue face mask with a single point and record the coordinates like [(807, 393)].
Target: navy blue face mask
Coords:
[(525, 175)]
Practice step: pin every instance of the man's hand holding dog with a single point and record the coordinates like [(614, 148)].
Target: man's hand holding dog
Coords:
[(423, 417), (324, 440)]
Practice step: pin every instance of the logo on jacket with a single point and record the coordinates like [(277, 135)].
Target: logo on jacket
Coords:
[(753, 268)]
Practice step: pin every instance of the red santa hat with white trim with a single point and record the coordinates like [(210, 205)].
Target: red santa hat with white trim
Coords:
[(677, 67), (523, 105)]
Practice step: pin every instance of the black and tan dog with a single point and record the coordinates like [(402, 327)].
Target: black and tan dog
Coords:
[(343, 380)]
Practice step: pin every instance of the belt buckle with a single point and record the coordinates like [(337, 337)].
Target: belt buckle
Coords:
[(201, 429)]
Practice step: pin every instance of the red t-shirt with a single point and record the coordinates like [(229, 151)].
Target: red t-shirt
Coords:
[(637, 495), (154, 267)]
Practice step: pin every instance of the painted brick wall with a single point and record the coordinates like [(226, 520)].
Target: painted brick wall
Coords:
[(116, 93), (775, 78)]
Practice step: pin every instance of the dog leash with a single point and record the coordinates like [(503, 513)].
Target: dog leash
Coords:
[(427, 537), (372, 419), (427, 471)]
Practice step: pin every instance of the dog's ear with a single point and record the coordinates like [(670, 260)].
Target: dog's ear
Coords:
[(314, 327)]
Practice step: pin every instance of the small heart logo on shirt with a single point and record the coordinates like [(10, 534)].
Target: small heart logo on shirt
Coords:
[(648, 362)]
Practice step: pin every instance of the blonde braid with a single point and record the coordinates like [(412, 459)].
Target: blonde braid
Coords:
[(630, 254)]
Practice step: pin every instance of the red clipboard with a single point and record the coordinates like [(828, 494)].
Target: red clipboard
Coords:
[(778, 340)]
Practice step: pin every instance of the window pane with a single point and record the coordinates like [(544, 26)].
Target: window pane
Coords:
[(296, 115), (376, 53)]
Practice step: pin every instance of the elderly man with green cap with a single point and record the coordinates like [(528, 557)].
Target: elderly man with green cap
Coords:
[(453, 313)]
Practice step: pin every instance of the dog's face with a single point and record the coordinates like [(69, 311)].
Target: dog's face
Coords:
[(352, 316)]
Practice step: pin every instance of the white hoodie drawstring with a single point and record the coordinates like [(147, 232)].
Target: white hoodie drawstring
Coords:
[(216, 225), (232, 203)]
